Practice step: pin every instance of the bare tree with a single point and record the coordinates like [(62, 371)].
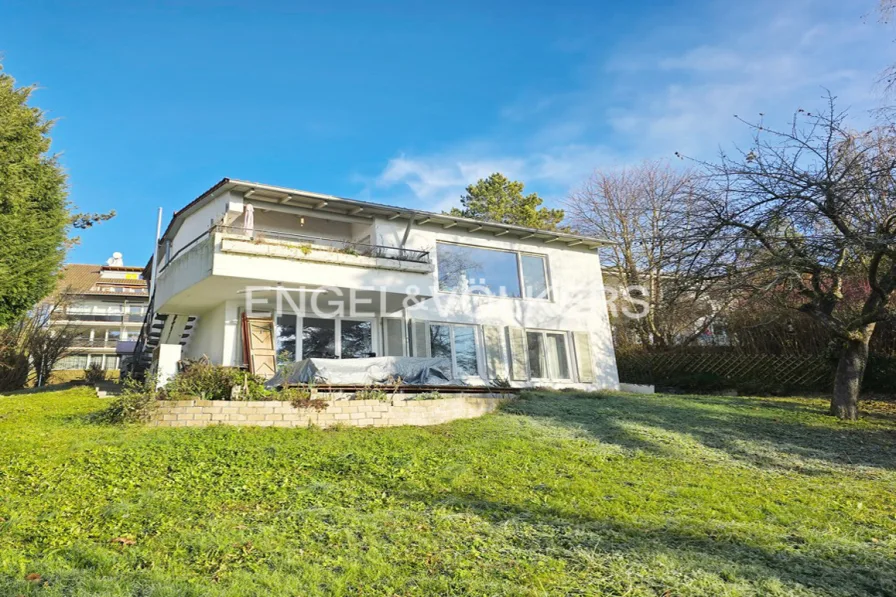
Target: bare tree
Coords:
[(887, 12), (34, 344), (48, 336), (807, 217), (649, 211)]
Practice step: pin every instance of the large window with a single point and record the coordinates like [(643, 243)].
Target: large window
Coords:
[(72, 362), (458, 344), (477, 270), (317, 338), (548, 355)]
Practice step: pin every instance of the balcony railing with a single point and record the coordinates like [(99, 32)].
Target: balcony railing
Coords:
[(104, 317), (335, 245), (95, 343)]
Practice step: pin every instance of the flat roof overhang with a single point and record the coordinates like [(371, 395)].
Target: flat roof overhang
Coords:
[(330, 204)]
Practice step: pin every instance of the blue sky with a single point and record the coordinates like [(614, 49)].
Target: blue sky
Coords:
[(408, 102)]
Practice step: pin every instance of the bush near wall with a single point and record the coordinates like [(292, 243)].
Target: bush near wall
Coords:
[(713, 370)]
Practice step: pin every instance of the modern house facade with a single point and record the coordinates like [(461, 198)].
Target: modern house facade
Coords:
[(106, 304), (333, 278)]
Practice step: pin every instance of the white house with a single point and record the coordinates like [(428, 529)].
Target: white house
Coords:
[(337, 278)]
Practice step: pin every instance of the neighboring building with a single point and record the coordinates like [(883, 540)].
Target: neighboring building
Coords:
[(107, 304), (394, 281)]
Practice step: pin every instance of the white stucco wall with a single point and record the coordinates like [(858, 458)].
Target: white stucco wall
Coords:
[(578, 301), (199, 221), (208, 335)]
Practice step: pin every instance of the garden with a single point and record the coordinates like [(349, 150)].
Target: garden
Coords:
[(558, 493)]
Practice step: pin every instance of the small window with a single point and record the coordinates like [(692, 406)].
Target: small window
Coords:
[(465, 354), (459, 345), (548, 355), (535, 277)]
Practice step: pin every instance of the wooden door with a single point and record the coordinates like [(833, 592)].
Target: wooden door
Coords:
[(259, 345)]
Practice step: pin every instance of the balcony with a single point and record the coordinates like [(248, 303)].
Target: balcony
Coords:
[(94, 343), (103, 317), (225, 261)]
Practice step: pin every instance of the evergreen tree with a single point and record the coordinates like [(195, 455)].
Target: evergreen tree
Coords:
[(34, 216), (498, 199)]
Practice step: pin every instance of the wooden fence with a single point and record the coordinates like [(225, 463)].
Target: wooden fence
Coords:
[(716, 371)]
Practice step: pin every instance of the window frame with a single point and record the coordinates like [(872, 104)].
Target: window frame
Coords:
[(337, 330), (569, 363), (477, 342), (547, 276), (521, 280)]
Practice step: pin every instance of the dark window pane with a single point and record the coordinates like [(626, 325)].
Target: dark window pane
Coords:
[(440, 338), (535, 279), (477, 270), (536, 355), (318, 338), (286, 339), (465, 350), (357, 339)]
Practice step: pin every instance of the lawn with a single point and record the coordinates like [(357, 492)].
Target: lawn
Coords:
[(560, 494)]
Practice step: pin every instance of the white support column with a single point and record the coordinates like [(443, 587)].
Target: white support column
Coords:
[(167, 357), (232, 350)]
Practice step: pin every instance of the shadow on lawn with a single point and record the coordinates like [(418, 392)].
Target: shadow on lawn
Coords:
[(867, 572), (746, 429)]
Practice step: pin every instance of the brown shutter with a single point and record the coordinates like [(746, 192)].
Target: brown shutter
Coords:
[(518, 357), (584, 360)]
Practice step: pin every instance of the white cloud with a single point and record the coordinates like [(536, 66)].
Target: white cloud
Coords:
[(646, 102)]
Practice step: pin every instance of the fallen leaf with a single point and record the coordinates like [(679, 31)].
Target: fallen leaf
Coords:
[(124, 541), (33, 577)]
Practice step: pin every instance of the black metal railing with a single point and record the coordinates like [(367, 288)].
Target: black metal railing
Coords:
[(330, 244)]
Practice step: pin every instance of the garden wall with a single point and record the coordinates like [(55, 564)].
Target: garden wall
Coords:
[(355, 413)]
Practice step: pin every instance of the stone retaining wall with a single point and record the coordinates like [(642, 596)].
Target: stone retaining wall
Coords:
[(355, 413)]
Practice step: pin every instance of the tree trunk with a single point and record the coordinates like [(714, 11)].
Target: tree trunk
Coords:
[(848, 381)]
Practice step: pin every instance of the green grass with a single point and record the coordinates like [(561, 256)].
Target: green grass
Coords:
[(557, 495)]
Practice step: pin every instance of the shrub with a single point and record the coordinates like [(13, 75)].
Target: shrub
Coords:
[(371, 392), (94, 374), (303, 397), (434, 395), (213, 382), (136, 404)]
